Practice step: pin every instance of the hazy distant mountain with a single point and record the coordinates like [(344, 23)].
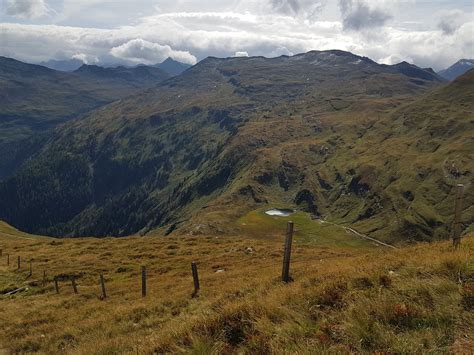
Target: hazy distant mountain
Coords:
[(142, 75), (329, 132), (63, 65), (457, 69), (173, 67), (413, 71)]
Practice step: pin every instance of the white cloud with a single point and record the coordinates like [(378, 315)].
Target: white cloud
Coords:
[(86, 59), (141, 51), (187, 36), (26, 9), (280, 51), (241, 54), (307, 8)]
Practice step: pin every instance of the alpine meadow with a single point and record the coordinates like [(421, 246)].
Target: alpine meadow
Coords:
[(236, 177)]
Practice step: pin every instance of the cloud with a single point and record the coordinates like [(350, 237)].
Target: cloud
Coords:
[(191, 36), (26, 9), (357, 15), (280, 51), (450, 22), (241, 54), (141, 51), (306, 8), (286, 6), (86, 59)]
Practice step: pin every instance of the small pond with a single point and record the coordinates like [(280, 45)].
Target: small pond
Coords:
[(280, 212)]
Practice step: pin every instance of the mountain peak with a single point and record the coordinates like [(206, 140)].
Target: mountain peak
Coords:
[(457, 69), (170, 60), (172, 67)]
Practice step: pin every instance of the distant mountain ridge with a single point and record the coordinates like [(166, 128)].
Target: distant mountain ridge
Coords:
[(170, 66), (141, 75), (62, 65), (173, 67), (457, 69)]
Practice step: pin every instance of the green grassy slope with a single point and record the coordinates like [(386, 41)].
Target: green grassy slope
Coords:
[(227, 137), (387, 168)]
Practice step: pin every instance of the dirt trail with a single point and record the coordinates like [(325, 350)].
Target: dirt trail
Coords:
[(353, 231)]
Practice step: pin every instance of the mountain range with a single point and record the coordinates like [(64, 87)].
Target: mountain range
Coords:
[(36, 99), (169, 65), (337, 135)]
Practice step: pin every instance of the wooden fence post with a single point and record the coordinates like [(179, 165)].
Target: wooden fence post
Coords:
[(31, 268), (19, 262), (102, 285), (143, 281), (285, 275), (74, 286), (1, 252), (195, 278), (457, 216), (56, 285), (8, 259)]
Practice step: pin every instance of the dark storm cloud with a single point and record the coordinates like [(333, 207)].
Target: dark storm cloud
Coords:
[(357, 15)]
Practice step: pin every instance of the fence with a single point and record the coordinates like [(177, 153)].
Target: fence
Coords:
[(285, 276)]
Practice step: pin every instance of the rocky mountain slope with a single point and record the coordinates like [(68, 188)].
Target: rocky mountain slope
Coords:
[(321, 131)]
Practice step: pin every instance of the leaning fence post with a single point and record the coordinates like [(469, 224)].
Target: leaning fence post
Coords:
[(102, 284), (457, 216), (195, 278), (74, 286), (285, 275), (56, 285), (143, 281)]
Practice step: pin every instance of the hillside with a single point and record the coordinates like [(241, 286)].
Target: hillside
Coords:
[(35, 99), (232, 136), (343, 299), (457, 69)]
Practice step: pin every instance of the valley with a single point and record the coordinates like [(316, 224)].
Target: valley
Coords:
[(236, 177), (327, 132)]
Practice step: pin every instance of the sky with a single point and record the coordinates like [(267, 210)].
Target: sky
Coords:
[(426, 33)]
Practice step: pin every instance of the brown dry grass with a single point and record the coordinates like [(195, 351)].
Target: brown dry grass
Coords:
[(417, 299)]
